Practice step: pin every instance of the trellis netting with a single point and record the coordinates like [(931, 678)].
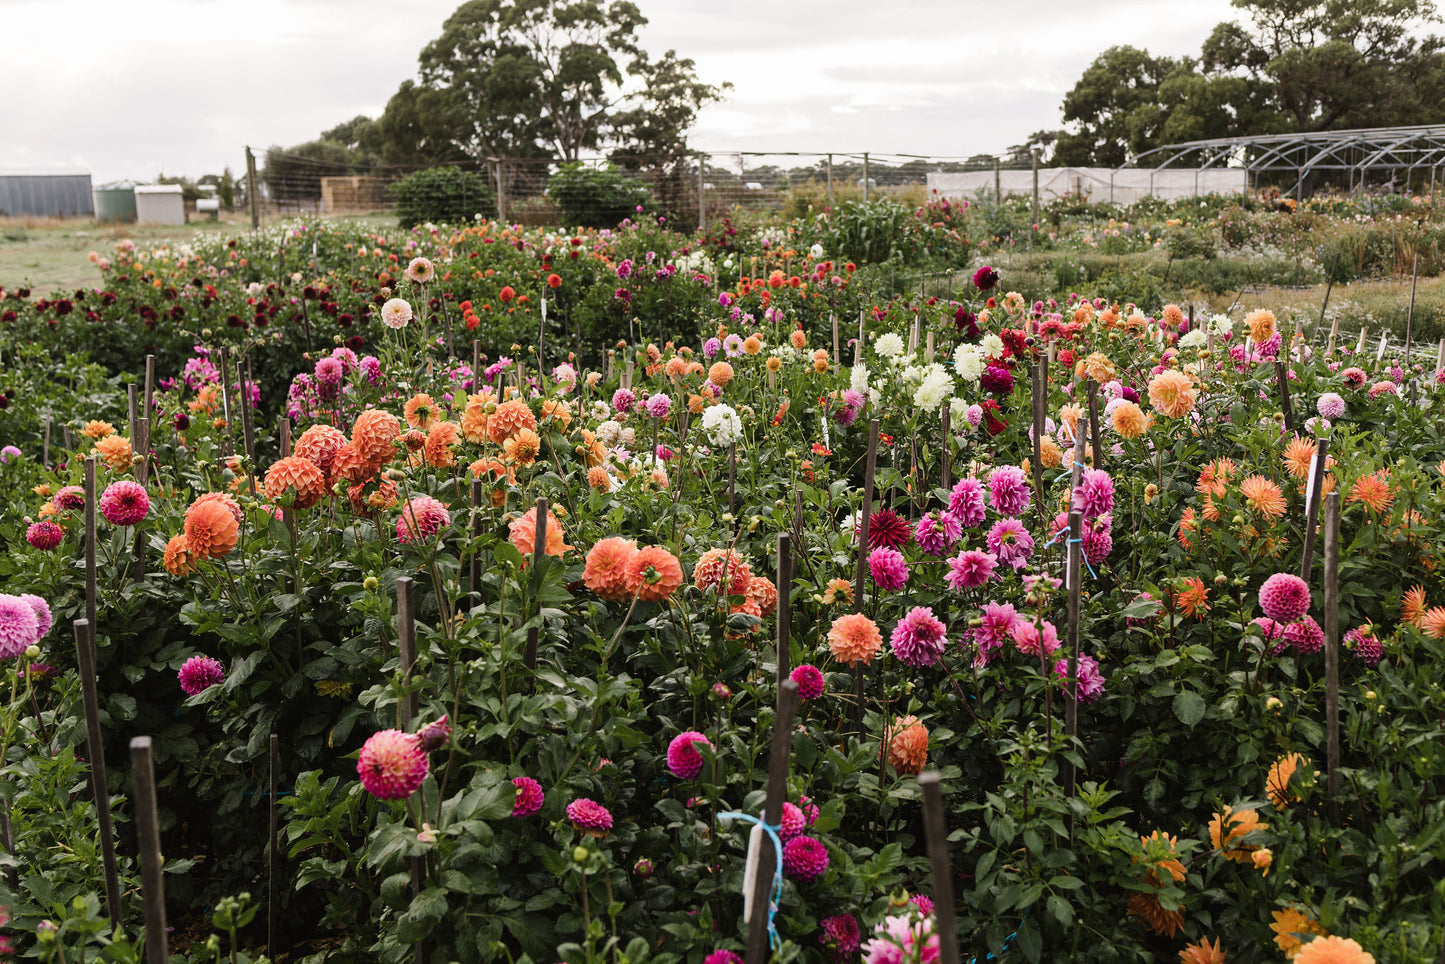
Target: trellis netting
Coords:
[(1117, 185)]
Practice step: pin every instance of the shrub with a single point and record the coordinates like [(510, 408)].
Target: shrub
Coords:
[(442, 194), (595, 197)]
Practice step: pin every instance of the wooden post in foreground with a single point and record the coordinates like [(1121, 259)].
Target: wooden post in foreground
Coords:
[(859, 669), (936, 829), (757, 950), (148, 841), (90, 536), (785, 608), (95, 756), (1332, 652), (1312, 507), (406, 645), (1073, 571), (273, 876)]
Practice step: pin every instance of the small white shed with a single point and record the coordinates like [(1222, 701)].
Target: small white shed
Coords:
[(159, 204)]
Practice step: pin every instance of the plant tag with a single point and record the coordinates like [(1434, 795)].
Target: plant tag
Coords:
[(1380, 352), (750, 870), (1310, 480)]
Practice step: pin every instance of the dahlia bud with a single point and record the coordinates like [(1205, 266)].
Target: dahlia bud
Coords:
[(643, 868), (32, 651), (580, 855), (434, 735), (370, 583), (395, 475)]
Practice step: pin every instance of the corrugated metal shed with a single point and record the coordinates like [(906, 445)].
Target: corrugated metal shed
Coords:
[(46, 195)]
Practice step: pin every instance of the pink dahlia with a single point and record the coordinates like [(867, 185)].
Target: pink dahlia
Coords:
[(421, 518), (924, 904), (1031, 638), (200, 673), (937, 532), (391, 766), (918, 638), (1305, 636), (1008, 492), (1330, 406), (722, 956), (1284, 597), (1096, 493), (529, 797), (1010, 542), (965, 502), (683, 758), (810, 681), (1091, 681), (1366, 645), (995, 626), (69, 499), (41, 608), (124, 503), (1098, 543), (589, 817), (804, 858), (434, 735), (18, 626), (888, 569), (840, 937), (623, 400), (888, 529), (791, 823), (44, 535), (970, 568)]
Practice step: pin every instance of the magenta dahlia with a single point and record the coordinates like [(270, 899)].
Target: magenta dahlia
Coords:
[(1305, 636), (995, 626), (888, 529), (722, 956), (1284, 597), (434, 735), (840, 937), (200, 673), (804, 858), (888, 568), (421, 518), (937, 532), (791, 823), (589, 817), (966, 502), (970, 568), (1010, 542), (918, 639), (529, 797), (1366, 645), (1091, 681), (124, 503), (1096, 493), (810, 681), (391, 766), (69, 499), (44, 535), (43, 617), (683, 758), (18, 626)]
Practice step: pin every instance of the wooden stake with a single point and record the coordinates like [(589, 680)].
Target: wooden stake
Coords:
[(928, 349), (1073, 571), (1332, 652), (476, 366), (1040, 404), (785, 610), (936, 829), (837, 358), (284, 428), (150, 384), (1095, 439), (859, 669), (406, 644), (946, 416), (90, 536), (138, 546), (132, 410), (148, 841), (757, 949), (248, 428), (273, 876), (226, 400), (1312, 507), (732, 476), (1410, 315), (474, 578), (1281, 375), (95, 755)]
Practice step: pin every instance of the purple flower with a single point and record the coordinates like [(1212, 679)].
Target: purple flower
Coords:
[(1096, 493), (888, 569), (200, 673), (329, 371), (937, 532), (997, 380), (1008, 492), (1011, 542), (711, 347), (1086, 670), (965, 503), (918, 639), (7, 453), (970, 568)]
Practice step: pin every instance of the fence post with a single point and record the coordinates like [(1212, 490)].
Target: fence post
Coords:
[(148, 842), (997, 183), (1036, 185), (252, 198), (702, 192), (830, 180), (865, 175)]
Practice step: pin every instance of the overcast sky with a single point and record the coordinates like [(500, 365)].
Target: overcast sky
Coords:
[(131, 90)]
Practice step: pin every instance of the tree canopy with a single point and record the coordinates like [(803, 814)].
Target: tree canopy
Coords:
[(1293, 65)]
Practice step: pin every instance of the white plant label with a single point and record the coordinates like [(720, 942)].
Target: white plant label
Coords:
[(750, 870)]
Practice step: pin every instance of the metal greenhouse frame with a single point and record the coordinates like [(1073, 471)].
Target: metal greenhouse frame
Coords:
[(1355, 152)]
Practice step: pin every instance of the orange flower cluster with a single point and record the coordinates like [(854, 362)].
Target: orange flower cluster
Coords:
[(907, 742), (1161, 860), (617, 570)]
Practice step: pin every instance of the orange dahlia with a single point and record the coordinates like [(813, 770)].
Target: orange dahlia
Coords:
[(211, 530), (1214, 477), (349, 463), (654, 574), (318, 444), (1291, 926), (178, 558), (420, 411), (1172, 393), (523, 534), (474, 420), (1373, 490), (1333, 950), (1263, 496), (907, 745), (299, 474), (723, 570), (1433, 622), (1412, 606), (720, 374), (762, 591), (1228, 829), (231, 504), (510, 418), (523, 447), (1146, 907), (1202, 952), (439, 441), (1260, 324), (115, 452), (1277, 784), (607, 565), (1297, 456), (1129, 420), (854, 639), (1193, 599), (373, 434), (97, 430)]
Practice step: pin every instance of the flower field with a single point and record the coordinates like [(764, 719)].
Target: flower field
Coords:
[(471, 564)]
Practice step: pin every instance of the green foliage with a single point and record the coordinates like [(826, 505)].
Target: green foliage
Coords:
[(596, 197), (442, 195)]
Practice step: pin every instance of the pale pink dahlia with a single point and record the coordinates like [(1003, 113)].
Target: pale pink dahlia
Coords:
[(18, 626), (392, 765)]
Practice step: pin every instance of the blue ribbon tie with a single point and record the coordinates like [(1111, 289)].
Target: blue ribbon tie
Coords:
[(775, 896)]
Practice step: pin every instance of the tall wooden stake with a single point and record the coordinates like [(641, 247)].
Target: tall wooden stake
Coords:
[(132, 410), (837, 358), (1095, 439), (95, 754), (1330, 286), (1039, 406), (1071, 704), (148, 842), (757, 950), (785, 608), (284, 434), (945, 416), (406, 644), (859, 669), (90, 536), (1312, 507), (273, 876), (474, 576), (1332, 652), (1281, 375), (150, 385), (936, 829), (1410, 315)]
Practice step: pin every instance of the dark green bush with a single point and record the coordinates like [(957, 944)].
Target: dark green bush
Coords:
[(595, 197), (442, 195)]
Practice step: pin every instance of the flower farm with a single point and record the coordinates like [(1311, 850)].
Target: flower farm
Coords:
[(487, 593)]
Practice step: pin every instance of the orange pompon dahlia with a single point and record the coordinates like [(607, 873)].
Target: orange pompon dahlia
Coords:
[(522, 448), (720, 374), (318, 444), (854, 639), (474, 420), (653, 574), (178, 559), (607, 566), (723, 570), (299, 474), (1129, 420), (439, 441), (231, 504), (1172, 393), (373, 434), (1412, 606), (1202, 952), (1298, 455), (1329, 949), (1263, 496), (97, 430), (762, 591), (349, 463), (1374, 491), (493, 469), (367, 499), (211, 530), (114, 450), (798, 339), (1277, 784), (907, 742), (599, 478), (523, 535), (1227, 832), (1291, 926), (510, 418), (421, 410)]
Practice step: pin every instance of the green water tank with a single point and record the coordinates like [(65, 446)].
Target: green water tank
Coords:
[(115, 202)]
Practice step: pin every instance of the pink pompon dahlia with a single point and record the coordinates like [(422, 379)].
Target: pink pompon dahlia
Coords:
[(69, 499), (1096, 493), (124, 503), (44, 535), (1284, 597), (589, 817), (810, 681), (1365, 644), (918, 639), (966, 502), (1010, 542), (19, 627), (200, 673), (392, 765), (804, 858), (888, 568), (840, 937), (529, 797), (683, 758), (43, 617), (937, 532), (1305, 636), (1008, 492), (722, 956), (791, 823), (434, 735), (421, 518), (970, 568)]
